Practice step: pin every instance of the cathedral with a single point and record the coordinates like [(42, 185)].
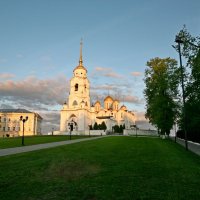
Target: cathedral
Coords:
[(79, 115)]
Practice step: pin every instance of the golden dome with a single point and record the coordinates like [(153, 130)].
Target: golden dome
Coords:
[(97, 102), (80, 67), (108, 98), (115, 101), (123, 107)]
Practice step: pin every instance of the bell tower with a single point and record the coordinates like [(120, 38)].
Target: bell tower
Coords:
[(79, 96)]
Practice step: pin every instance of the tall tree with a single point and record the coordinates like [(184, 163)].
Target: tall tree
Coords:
[(191, 52), (96, 127), (103, 126), (161, 93)]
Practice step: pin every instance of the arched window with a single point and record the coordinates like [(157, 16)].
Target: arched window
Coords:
[(72, 115), (85, 87), (75, 103), (76, 87)]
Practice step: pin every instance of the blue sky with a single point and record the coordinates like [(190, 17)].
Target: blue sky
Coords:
[(39, 46)]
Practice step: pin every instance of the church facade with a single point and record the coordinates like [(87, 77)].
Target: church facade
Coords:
[(79, 114)]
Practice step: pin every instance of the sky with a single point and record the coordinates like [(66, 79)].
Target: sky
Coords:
[(40, 42)]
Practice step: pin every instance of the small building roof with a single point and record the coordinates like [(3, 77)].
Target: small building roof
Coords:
[(15, 111), (103, 117), (19, 110)]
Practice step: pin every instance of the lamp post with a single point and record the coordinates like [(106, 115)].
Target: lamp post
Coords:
[(135, 126), (71, 129), (23, 120), (179, 42), (89, 129)]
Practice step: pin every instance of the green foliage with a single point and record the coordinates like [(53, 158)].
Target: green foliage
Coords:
[(108, 168), (118, 129), (161, 79), (191, 53), (96, 127), (101, 126), (189, 50)]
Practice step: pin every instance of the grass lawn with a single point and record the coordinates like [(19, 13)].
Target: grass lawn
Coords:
[(30, 140), (107, 168)]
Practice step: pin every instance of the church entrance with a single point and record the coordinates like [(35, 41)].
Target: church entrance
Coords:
[(72, 123)]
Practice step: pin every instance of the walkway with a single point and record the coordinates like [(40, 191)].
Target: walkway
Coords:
[(16, 150), (192, 146)]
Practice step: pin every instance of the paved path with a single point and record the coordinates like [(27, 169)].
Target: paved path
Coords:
[(194, 147), (16, 150)]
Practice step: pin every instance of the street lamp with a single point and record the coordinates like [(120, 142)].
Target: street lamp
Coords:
[(23, 120), (89, 126), (71, 129), (135, 126), (179, 42)]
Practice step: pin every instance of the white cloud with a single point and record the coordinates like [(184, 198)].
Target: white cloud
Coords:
[(102, 69), (133, 99), (35, 93), (113, 75), (6, 76), (136, 74), (51, 120), (105, 72)]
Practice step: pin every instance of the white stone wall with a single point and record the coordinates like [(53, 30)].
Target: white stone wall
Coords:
[(140, 132)]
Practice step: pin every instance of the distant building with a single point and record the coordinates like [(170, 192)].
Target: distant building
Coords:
[(10, 124), (79, 114)]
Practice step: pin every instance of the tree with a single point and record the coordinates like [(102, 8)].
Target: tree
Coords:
[(96, 127), (121, 128), (161, 80), (191, 53), (116, 129), (189, 47), (103, 126)]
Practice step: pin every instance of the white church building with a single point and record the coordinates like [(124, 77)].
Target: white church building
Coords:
[(80, 114)]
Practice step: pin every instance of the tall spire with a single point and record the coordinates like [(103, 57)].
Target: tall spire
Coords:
[(81, 59)]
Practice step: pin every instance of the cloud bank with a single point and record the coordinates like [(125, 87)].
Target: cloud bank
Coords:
[(33, 92), (106, 72)]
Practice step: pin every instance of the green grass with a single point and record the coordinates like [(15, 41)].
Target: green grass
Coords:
[(31, 140), (107, 168)]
